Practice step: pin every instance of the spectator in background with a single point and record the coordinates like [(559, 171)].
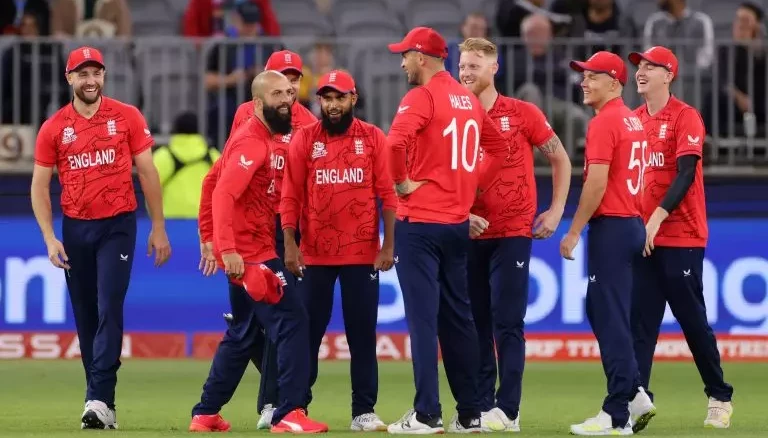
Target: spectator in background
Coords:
[(91, 18), (182, 166), (231, 68), (541, 71), (742, 96), (677, 21), (475, 25), (601, 21), (23, 60), (321, 61), (204, 18), (510, 15), (13, 11)]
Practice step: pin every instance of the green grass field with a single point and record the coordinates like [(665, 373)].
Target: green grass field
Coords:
[(44, 398)]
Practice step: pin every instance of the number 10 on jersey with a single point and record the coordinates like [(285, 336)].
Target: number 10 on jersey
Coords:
[(452, 129)]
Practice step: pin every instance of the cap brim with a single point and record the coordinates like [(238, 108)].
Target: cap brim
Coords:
[(291, 69), (636, 57), (578, 66), (341, 90), (84, 63), (400, 47)]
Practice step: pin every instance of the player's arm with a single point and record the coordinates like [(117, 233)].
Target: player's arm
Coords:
[(603, 142), (413, 114), (294, 183), (689, 142), (496, 150), (383, 187), (234, 177)]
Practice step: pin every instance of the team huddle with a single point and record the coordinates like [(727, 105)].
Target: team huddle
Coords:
[(295, 204)]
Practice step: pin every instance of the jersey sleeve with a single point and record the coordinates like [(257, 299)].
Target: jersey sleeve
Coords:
[(294, 181), (539, 130), (45, 146), (495, 150), (601, 141), (205, 213), (690, 133), (234, 177), (241, 115), (140, 138), (413, 114), (382, 180)]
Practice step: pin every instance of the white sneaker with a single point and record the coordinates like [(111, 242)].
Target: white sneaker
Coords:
[(455, 426), (265, 420), (410, 425), (641, 410), (600, 425), (97, 415), (718, 414), (496, 420), (369, 422)]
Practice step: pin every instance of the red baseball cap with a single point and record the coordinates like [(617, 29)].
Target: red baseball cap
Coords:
[(338, 80), (261, 283), (657, 55), (83, 55), (603, 62), (283, 61), (422, 39)]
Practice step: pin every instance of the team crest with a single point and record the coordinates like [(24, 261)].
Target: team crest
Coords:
[(318, 150), (359, 147)]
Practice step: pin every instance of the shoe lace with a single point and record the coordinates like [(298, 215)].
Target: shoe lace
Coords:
[(367, 418), (406, 416), (715, 412)]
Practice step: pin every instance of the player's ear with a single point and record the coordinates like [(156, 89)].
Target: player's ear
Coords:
[(354, 99), (70, 78), (495, 67)]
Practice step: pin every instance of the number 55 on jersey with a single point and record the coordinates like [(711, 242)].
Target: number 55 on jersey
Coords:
[(436, 137)]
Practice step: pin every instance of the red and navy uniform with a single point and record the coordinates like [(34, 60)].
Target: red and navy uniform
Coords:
[(94, 158)]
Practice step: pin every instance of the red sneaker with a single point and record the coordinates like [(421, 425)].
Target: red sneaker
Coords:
[(209, 423), (297, 422)]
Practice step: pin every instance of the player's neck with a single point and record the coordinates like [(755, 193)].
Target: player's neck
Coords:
[(604, 102), (488, 97), (656, 101), (85, 109), (428, 73)]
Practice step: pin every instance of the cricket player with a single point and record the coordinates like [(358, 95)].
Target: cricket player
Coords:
[(502, 226), (94, 142), (610, 204), (336, 175), (264, 355), (435, 142), (243, 210), (676, 234)]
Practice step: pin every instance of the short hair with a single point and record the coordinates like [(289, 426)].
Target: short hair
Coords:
[(754, 8), (479, 45)]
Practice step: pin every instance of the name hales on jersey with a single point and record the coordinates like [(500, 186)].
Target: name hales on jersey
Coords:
[(460, 102), (353, 175), (91, 159)]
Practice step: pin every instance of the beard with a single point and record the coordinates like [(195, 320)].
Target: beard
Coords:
[(278, 122), (88, 101), (414, 78), (665, 5), (340, 126)]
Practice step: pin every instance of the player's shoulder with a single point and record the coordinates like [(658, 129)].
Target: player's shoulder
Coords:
[(641, 111), (127, 109), (57, 120), (678, 107), (309, 130)]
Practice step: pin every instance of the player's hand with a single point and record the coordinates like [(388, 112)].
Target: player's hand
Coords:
[(651, 228), (233, 264), (407, 187), (56, 253), (567, 245), (294, 261), (158, 241), (477, 225), (385, 259), (545, 225), (207, 260)]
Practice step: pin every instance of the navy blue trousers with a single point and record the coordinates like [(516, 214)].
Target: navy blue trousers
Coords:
[(674, 276), (101, 255), (286, 325), (614, 244), (360, 306), (498, 289), (432, 270)]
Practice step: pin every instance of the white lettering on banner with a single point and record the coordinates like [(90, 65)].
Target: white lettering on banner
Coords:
[(47, 346), (91, 159), (339, 176), (18, 274), (737, 304)]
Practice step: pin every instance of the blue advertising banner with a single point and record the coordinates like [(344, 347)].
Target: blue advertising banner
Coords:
[(177, 298)]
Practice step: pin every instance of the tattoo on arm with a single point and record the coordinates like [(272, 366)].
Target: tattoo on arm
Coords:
[(551, 146)]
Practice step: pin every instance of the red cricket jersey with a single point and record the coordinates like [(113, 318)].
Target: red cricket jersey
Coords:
[(436, 137), (242, 203), (204, 214), (615, 137), (333, 182), (94, 157), (509, 203), (674, 131)]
